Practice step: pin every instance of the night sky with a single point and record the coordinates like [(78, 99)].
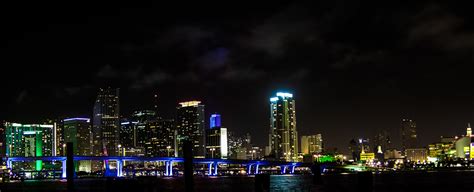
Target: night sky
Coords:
[(353, 67)]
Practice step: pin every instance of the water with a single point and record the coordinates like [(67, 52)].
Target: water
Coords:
[(452, 181)]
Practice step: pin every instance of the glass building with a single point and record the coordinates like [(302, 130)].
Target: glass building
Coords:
[(190, 126), (283, 136), (160, 140), (78, 131), (106, 123), (30, 140)]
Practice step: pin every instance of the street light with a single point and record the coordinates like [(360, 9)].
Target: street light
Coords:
[(119, 146), (168, 148), (212, 152), (253, 152)]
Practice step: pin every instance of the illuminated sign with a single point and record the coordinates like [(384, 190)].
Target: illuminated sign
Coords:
[(367, 156)]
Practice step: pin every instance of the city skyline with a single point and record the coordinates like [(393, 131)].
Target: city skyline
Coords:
[(354, 67)]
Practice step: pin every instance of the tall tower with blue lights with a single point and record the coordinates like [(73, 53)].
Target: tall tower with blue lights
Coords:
[(283, 135)]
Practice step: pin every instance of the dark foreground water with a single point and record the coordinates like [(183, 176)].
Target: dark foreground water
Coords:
[(452, 181)]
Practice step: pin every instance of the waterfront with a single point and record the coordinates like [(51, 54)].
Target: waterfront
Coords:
[(453, 181)]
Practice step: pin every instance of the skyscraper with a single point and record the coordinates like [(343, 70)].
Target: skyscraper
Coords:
[(106, 123), (408, 134), (29, 140), (311, 144), (283, 136), (190, 126), (79, 132), (160, 138), (216, 139)]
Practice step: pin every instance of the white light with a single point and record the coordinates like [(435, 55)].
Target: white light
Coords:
[(47, 126), (281, 94), (273, 99), (224, 143), (29, 132), (16, 124)]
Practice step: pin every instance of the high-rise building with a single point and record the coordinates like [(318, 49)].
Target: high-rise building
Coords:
[(408, 134), (160, 140), (381, 142), (79, 132), (29, 140), (311, 144), (190, 126), (128, 133), (216, 139), (283, 136), (3, 144), (106, 123)]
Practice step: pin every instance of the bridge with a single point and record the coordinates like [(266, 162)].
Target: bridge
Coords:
[(252, 166)]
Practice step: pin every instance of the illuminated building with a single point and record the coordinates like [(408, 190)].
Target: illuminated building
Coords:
[(381, 141), (416, 154), (367, 156), (283, 135), (311, 144), (79, 132), (354, 149), (393, 154), (106, 123), (190, 126), (463, 147), (468, 130), (3, 144), (215, 121), (142, 119), (160, 140), (408, 134), (216, 139), (128, 134), (30, 140), (216, 143)]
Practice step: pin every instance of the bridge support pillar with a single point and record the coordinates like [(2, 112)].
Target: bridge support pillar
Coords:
[(215, 168), (170, 172), (9, 164), (63, 166), (167, 164), (283, 169), (119, 168), (292, 169), (249, 169), (209, 172), (256, 169)]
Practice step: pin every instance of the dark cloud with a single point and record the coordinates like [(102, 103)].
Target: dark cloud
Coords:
[(21, 97)]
